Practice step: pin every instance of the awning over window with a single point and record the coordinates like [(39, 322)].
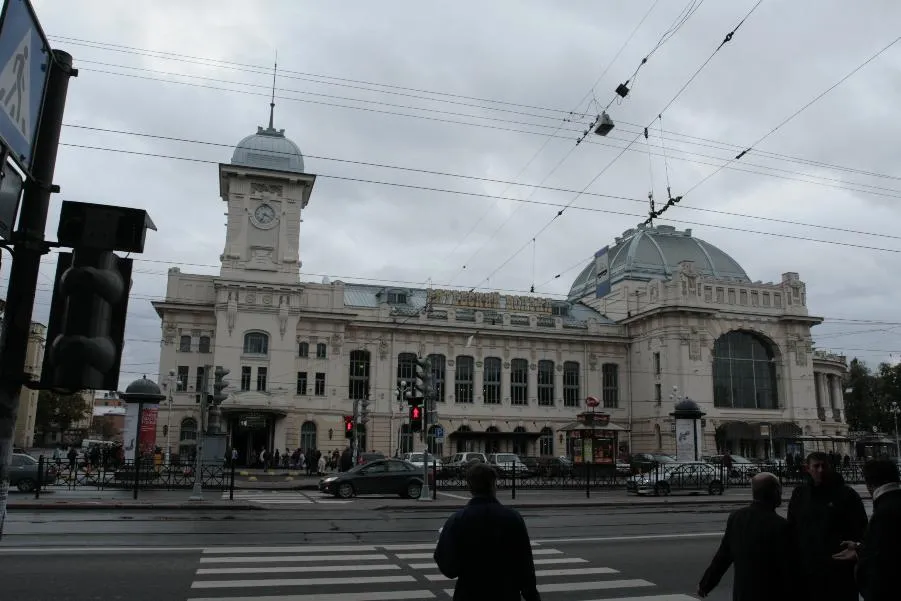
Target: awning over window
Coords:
[(610, 427), (757, 430), (470, 435)]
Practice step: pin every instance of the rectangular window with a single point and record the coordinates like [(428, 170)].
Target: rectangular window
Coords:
[(658, 394), (198, 382), (303, 349), (181, 384), (519, 382), (731, 296), (406, 369), (720, 295), (777, 299), (546, 383), (656, 364), (320, 351), (302, 383), (397, 298), (743, 297), (439, 369), (755, 298), (610, 375), (463, 381), (262, 372), (358, 386), (245, 377), (491, 381), (184, 344), (571, 393), (766, 299), (320, 384), (204, 346)]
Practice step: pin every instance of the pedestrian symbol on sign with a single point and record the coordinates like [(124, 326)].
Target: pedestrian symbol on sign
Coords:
[(14, 87)]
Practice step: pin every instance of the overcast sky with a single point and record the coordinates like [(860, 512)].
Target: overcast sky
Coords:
[(480, 89)]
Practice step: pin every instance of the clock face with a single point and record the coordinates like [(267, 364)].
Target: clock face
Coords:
[(264, 214)]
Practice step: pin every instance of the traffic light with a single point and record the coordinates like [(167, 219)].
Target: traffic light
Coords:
[(348, 426), (87, 321), (364, 411), (220, 384), (416, 418), (422, 380)]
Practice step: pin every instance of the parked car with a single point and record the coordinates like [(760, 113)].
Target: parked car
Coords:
[(23, 472), (435, 464), (460, 462), (533, 465), (669, 477), (742, 467), (556, 467), (365, 458), (379, 477), (508, 464)]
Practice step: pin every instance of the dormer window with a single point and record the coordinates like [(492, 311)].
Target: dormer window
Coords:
[(560, 310), (397, 298)]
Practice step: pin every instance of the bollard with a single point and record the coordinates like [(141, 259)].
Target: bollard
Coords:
[(587, 480), (513, 480), (136, 465), (434, 479), (37, 488)]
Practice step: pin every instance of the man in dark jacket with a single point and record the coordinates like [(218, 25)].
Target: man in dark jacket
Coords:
[(486, 547), (758, 542), (823, 513), (880, 552)]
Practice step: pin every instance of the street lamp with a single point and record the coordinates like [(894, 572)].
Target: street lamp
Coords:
[(895, 410)]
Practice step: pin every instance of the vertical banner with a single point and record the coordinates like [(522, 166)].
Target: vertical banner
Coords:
[(685, 438), (130, 431), (602, 269), (147, 440)]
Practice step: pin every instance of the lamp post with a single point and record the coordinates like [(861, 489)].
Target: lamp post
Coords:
[(170, 383), (895, 411), (140, 392)]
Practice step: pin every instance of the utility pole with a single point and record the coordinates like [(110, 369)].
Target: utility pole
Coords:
[(29, 246), (197, 492), (171, 384)]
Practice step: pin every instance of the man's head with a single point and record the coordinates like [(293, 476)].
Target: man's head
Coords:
[(766, 488), (482, 480), (878, 472), (819, 467)]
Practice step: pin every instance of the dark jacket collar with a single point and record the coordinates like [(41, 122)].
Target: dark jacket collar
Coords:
[(480, 500)]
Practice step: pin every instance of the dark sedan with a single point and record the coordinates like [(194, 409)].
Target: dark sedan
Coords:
[(380, 477)]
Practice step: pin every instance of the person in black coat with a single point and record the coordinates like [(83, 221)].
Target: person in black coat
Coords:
[(758, 543), (823, 513), (486, 547), (880, 552)]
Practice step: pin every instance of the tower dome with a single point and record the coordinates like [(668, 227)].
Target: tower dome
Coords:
[(648, 253), (268, 149)]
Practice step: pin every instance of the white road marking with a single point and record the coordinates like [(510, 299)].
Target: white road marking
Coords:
[(584, 586), (430, 555), (288, 549), (453, 496), (377, 567), (289, 558), (637, 537), (544, 573), (363, 596), (538, 562), (299, 582)]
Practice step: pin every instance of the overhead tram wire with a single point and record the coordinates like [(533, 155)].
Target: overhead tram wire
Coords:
[(266, 70), (813, 101), (838, 182), (587, 97), (726, 40), (476, 194)]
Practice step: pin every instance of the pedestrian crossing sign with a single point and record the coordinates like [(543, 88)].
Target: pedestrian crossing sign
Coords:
[(24, 66)]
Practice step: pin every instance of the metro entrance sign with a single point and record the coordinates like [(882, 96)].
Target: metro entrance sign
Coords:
[(24, 67)]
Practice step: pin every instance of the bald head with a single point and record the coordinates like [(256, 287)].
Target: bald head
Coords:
[(765, 487)]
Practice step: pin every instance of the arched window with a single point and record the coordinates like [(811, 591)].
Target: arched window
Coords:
[(519, 382), (184, 344), (439, 368), (204, 346), (744, 372), (546, 383), (435, 448), (491, 381), (405, 440), (406, 368), (308, 437), (520, 443), (546, 442), (359, 374), (320, 350), (464, 444), (256, 343), (463, 383), (303, 349), (187, 440)]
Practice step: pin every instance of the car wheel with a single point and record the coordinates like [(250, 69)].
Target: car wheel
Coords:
[(26, 485), (662, 488), (715, 488), (345, 490), (414, 489)]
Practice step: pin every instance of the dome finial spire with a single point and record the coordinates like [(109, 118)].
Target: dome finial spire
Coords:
[(272, 101)]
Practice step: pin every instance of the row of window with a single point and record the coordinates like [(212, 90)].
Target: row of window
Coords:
[(185, 344)]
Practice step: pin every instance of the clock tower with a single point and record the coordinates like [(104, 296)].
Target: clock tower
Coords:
[(265, 190)]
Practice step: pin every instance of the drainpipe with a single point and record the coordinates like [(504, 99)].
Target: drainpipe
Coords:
[(631, 394)]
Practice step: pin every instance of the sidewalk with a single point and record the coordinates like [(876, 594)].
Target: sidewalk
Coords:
[(122, 499)]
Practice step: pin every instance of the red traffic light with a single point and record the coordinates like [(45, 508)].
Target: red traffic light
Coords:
[(348, 423), (416, 412)]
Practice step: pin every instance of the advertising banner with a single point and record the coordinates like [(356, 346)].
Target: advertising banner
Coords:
[(689, 439), (130, 431), (147, 441)]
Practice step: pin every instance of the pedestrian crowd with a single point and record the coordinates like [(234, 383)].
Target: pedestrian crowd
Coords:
[(824, 550)]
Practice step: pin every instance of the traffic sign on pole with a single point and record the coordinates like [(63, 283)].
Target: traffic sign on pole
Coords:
[(24, 67)]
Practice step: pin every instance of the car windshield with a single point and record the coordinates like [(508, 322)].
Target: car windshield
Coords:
[(666, 459), (417, 457), (740, 459)]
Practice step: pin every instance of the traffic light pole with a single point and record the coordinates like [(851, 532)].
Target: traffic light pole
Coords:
[(29, 245), (197, 492), (425, 494)]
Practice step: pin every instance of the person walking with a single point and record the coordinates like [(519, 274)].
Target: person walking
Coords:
[(879, 555), (758, 543), (823, 513), (486, 546)]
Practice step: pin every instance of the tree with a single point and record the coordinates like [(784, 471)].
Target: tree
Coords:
[(860, 398), (57, 412)]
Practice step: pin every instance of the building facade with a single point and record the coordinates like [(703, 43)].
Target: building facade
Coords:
[(28, 399), (658, 315)]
